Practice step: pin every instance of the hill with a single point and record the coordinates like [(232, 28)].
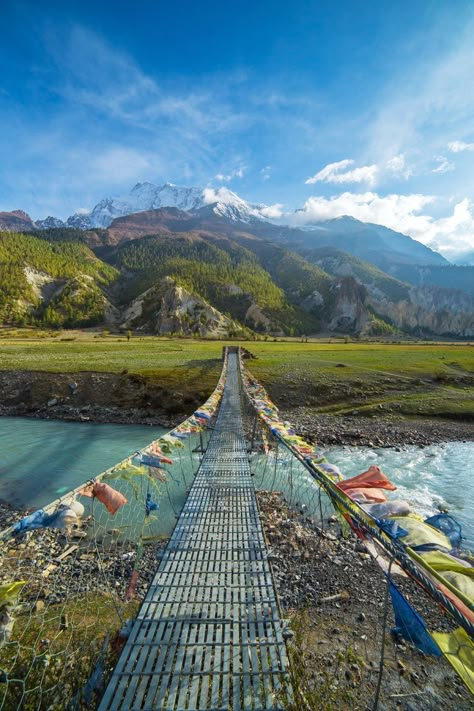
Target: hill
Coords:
[(198, 272), (55, 284), (221, 271)]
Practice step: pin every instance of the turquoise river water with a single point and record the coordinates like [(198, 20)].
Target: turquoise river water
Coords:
[(42, 459), (427, 477)]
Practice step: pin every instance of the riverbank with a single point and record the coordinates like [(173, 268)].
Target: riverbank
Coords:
[(323, 430), (376, 431), (116, 398), (333, 593)]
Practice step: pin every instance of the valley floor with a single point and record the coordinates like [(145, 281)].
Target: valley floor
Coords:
[(335, 392)]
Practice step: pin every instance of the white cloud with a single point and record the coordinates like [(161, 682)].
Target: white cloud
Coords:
[(81, 211), (266, 172), (226, 178), (272, 212), (450, 235), (337, 173), (398, 166), (392, 210), (460, 146), (211, 195), (444, 166)]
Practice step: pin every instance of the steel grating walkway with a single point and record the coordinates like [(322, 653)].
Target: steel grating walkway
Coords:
[(209, 635)]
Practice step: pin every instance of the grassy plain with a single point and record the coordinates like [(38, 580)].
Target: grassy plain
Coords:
[(412, 379)]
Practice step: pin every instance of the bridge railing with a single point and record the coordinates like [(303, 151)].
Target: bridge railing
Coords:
[(308, 483), (73, 574)]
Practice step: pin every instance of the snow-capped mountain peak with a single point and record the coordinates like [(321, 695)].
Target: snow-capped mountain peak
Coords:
[(49, 222), (228, 204), (148, 196)]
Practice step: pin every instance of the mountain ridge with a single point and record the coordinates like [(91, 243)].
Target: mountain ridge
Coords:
[(255, 274), (200, 281), (352, 235)]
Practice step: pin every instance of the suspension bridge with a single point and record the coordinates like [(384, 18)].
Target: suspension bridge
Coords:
[(95, 612), (209, 633)]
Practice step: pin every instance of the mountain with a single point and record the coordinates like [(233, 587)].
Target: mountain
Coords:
[(168, 271), (329, 289), (16, 221), (341, 264), (223, 273), (447, 276), (52, 284), (147, 196), (219, 266), (422, 309), (50, 223), (373, 243)]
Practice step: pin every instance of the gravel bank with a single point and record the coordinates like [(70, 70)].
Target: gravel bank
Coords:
[(333, 592), (375, 432), (97, 564), (95, 397)]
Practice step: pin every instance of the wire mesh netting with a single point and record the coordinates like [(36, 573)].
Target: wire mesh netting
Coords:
[(72, 575), (309, 485)]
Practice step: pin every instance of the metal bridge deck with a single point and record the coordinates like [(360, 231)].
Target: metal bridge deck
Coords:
[(209, 635)]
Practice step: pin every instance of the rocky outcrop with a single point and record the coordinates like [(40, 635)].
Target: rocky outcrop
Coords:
[(430, 310), (349, 312), (312, 301), (42, 284), (169, 308), (256, 318), (16, 221)]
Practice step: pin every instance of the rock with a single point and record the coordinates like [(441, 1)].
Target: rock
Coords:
[(52, 402), (402, 667)]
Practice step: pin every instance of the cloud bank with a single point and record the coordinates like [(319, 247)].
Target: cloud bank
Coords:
[(337, 173), (451, 235)]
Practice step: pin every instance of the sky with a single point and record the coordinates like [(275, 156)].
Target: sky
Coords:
[(327, 107)]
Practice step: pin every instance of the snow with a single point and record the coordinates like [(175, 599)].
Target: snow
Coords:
[(148, 196)]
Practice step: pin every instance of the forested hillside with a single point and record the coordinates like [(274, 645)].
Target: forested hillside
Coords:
[(51, 283), (203, 275), (228, 276)]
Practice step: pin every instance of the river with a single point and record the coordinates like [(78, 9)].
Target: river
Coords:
[(42, 459), (427, 477)]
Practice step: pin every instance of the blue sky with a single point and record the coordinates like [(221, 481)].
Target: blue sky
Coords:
[(356, 107)]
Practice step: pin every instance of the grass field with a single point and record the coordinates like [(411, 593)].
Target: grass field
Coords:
[(407, 379), (413, 379)]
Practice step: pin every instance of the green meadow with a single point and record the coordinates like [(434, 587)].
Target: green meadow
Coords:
[(411, 379)]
